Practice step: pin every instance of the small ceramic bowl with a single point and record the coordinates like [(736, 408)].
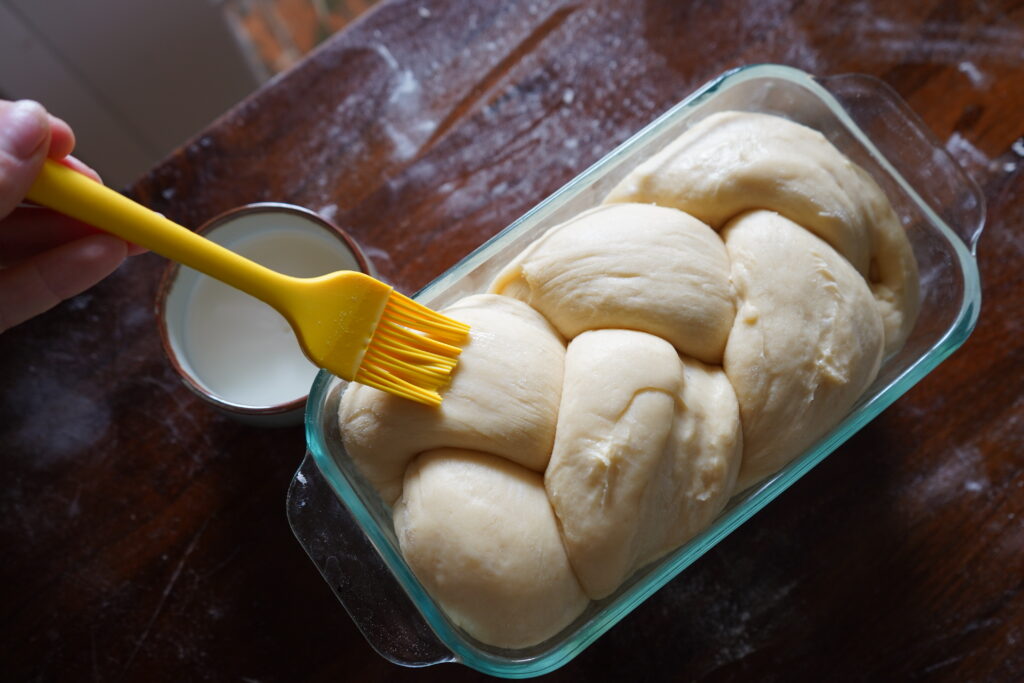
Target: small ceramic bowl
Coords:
[(232, 350)]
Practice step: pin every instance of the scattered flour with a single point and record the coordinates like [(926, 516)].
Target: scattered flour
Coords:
[(978, 78), (328, 212)]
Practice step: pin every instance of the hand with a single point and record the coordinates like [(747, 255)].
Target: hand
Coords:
[(44, 257)]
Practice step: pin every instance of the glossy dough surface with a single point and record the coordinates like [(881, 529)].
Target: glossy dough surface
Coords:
[(503, 398)]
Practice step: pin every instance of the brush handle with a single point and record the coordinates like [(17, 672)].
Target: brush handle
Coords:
[(73, 194)]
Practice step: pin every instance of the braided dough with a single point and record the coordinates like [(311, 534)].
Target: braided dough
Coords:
[(631, 266), (479, 532), (732, 162), (646, 453), (806, 343), (724, 309), (503, 399)]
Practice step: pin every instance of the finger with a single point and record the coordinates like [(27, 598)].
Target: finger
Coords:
[(42, 282), (76, 164), (30, 230), (62, 138), (24, 140), (34, 229)]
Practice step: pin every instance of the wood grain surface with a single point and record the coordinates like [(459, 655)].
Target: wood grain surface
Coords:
[(144, 535)]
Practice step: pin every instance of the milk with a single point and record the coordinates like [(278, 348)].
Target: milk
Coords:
[(238, 347)]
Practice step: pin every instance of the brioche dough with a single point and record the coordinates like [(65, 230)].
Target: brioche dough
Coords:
[(513, 525), (646, 453), (478, 531), (806, 343), (503, 398), (629, 266), (732, 162)]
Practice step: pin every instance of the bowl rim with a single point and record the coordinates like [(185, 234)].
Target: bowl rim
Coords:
[(169, 278)]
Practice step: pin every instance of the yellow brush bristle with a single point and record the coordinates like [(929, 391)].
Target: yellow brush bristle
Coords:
[(413, 351)]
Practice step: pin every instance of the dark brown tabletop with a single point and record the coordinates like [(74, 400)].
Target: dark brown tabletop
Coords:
[(144, 535)]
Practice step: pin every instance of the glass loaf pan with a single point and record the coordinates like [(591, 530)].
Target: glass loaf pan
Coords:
[(354, 545)]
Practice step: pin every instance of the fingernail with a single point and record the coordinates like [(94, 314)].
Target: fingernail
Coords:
[(23, 127)]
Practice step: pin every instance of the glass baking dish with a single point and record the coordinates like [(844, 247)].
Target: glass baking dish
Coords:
[(353, 543)]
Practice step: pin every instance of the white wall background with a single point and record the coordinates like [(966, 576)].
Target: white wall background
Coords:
[(134, 78)]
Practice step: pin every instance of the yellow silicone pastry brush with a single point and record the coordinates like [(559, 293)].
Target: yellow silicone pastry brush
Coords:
[(354, 326)]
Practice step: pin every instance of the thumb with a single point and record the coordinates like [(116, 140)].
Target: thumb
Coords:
[(24, 141)]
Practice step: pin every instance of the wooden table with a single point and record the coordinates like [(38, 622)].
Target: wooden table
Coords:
[(144, 535)]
